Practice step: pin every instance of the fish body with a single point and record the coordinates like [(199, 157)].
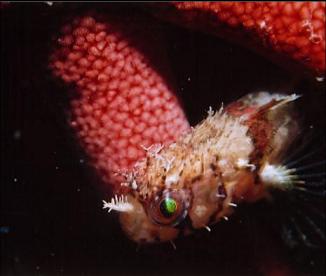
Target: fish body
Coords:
[(233, 156)]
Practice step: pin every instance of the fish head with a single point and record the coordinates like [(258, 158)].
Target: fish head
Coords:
[(161, 213)]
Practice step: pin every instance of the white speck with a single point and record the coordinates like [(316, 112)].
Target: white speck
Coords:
[(134, 185), (73, 123), (81, 161), (233, 204), (17, 134), (210, 111), (262, 24), (208, 229), (52, 254), (171, 179), (173, 245), (188, 79), (226, 218), (37, 267), (221, 108), (220, 195), (244, 163), (78, 190), (56, 167), (320, 79), (49, 3), (15, 179)]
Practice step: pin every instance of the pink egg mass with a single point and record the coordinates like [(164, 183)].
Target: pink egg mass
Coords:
[(123, 104)]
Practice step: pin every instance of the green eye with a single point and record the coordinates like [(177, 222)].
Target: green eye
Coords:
[(168, 207)]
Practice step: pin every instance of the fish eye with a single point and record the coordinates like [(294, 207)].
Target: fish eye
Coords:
[(169, 209)]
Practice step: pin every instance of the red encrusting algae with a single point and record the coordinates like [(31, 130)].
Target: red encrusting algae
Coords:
[(293, 29), (122, 102)]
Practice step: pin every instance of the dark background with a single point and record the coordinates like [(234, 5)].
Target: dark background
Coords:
[(52, 220)]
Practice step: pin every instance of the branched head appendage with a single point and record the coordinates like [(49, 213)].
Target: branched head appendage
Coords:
[(119, 204)]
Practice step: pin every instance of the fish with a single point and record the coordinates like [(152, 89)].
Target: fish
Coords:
[(237, 155)]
